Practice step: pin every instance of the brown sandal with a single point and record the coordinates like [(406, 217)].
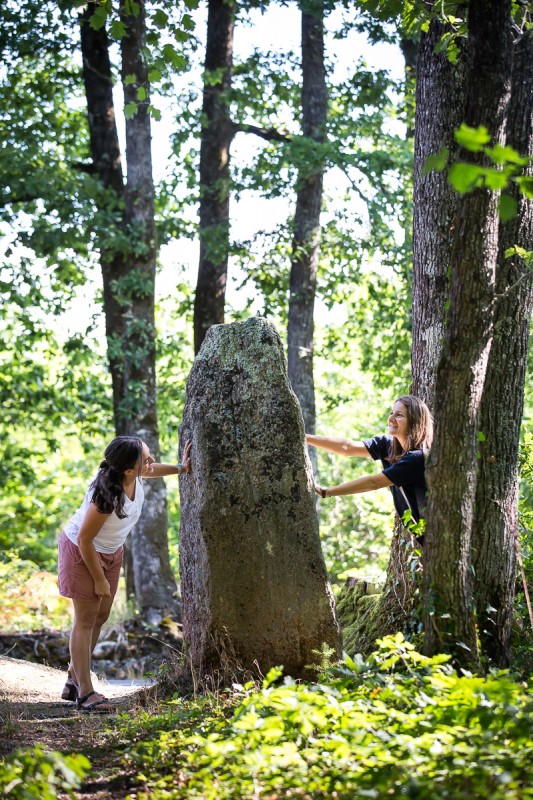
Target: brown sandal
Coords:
[(96, 706)]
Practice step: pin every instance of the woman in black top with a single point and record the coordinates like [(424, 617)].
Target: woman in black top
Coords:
[(402, 454)]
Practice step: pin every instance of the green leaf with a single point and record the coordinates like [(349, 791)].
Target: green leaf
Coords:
[(525, 184), (117, 29), (141, 93), (481, 437), (508, 207), (160, 19), (173, 57), (496, 179), (521, 252), (187, 22), (129, 80), (154, 112), (436, 162), (466, 177), (453, 52), (98, 19), (130, 109), (506, 155), (473, 139), (273, 675), (154, 75)]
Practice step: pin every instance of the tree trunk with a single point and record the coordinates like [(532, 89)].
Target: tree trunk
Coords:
[(440, 109), (254, 583), (128, 282), (495, 521), (306, 243), (451, 472), (155, 584), (217, 133)]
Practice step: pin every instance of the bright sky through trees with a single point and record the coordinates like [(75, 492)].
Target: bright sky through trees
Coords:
[(278, 29)]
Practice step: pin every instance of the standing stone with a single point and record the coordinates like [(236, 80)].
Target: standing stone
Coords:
[(254, 585)]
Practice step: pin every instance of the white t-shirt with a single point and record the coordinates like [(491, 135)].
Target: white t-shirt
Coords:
[(114, 531)]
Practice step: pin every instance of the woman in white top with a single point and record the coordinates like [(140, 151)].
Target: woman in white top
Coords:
[(90, 553)]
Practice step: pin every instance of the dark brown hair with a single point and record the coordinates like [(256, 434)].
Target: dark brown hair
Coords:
[(420, 428), (121, 454)]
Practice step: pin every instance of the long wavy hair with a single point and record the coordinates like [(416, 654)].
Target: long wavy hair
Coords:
[(420, 428), (121, 454)]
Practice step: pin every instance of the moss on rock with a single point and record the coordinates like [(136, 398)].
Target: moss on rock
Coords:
[(366, 615)]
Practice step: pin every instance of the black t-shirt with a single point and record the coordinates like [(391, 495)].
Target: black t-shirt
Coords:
[(407, 475)]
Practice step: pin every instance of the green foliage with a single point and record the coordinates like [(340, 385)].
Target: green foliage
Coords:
[(42, 489), (30, 599), (169, 30), (397, 725), (465, 177), (38, 774), (523, 633)]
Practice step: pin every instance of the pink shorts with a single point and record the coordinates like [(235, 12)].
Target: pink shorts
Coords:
[(74, 578)]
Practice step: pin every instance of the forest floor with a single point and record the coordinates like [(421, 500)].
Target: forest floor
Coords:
[(32, 713)]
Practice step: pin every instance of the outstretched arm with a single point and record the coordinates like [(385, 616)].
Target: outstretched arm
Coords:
[(161, 470), (368, 483), (343, 447)]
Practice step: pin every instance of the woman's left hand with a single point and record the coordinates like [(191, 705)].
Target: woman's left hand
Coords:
[(186, 457)]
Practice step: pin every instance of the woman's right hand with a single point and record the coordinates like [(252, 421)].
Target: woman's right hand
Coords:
[(186, 457), (102, 587)]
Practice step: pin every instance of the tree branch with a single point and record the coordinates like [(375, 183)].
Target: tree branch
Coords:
[(270, 134)]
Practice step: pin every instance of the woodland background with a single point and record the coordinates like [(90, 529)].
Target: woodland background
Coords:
[(56, 390), (289, 186), (249, 144)]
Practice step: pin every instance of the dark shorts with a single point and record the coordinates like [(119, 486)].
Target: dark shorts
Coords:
[(74, 578)]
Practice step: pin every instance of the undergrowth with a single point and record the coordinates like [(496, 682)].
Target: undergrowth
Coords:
[(396, 725)]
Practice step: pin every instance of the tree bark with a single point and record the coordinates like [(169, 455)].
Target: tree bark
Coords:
[(128, 273), (155, 584), (495, 524), (306, 243), (254, 583), (440, 109), (217, 134), (451, 472)]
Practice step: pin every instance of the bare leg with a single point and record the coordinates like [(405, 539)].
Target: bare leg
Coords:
[(81, 637), (102, 615), (86, 614)]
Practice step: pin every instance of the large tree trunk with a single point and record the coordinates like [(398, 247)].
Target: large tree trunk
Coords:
[(451, 472), (254, 583), (495, 522), (217, 133), (128, 283), (440, 109), (306, 243)]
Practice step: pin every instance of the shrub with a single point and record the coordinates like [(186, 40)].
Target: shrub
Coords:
[(397, 725)]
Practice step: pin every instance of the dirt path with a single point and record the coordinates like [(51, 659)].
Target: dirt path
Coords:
[(31, 712), (27, 684)]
